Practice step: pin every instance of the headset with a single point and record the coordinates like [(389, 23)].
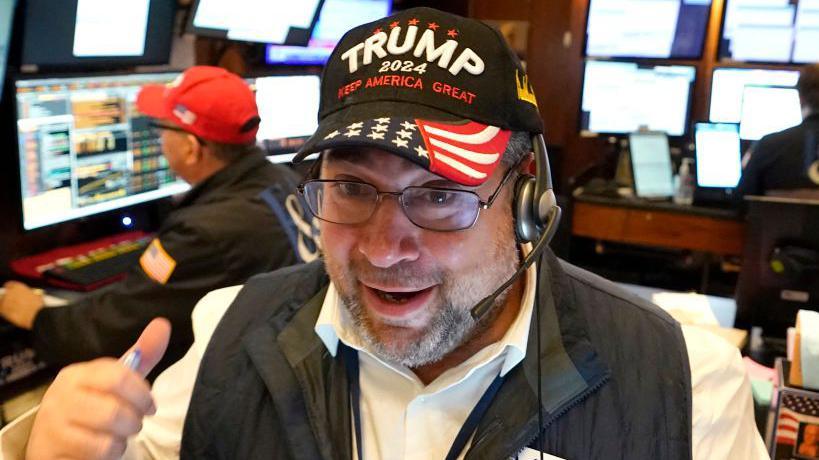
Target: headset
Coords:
[(536, 216)]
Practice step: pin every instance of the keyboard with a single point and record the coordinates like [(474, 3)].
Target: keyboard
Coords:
[(98, 266)]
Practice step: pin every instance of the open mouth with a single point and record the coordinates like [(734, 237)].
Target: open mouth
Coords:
[(399, 297)]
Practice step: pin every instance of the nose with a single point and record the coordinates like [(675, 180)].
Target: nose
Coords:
[(389, 237)]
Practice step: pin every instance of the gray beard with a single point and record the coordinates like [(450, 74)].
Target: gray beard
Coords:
[(452, 324)]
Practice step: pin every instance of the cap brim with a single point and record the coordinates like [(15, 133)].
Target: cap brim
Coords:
[(151, 101), (340, 120)]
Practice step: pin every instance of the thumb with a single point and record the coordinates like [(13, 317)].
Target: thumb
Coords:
[(151, 344)]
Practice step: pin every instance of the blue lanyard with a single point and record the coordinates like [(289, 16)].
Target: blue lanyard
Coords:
[(350, 357)]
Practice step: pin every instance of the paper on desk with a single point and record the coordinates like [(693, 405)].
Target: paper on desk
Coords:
[(48, 300), (687, 308)]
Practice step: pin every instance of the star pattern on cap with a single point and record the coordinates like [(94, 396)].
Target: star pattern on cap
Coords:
[(413, 22), (409, 126), (398, 133), (377, 30), (432, 25), (394, 24), (452, 33)]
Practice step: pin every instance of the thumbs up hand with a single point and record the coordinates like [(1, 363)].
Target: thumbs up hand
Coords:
[(91, 408)]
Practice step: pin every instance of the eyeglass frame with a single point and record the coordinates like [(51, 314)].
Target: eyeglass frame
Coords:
[(482, 205), (158, 125)]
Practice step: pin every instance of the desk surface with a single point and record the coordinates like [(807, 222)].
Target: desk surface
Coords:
[(648, 205)]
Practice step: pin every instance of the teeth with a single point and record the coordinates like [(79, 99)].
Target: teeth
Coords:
[(394, 298)]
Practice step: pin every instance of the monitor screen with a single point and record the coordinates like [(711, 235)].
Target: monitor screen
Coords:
[(622, 97), (84, 149), (719, 158), (727, 85), (6, 18), (336, 18), (651, 165), (640, 29), (288, 106), (102, 32), (778, 31), (768, 109), (283, 22)]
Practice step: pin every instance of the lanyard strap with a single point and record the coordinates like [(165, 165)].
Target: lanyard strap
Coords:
[(470, 425)]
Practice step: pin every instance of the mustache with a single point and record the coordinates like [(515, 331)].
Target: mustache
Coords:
[(363, 270)]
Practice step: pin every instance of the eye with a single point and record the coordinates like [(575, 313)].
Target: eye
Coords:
[(352, 189)]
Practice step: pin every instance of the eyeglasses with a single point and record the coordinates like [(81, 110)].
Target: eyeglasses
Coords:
[(157, 125), (431, 208)]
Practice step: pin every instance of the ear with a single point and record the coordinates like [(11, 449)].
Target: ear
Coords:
[(527, 164), (195, 150)]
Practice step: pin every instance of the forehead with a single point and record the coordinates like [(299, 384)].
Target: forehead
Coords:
[(373, 161)]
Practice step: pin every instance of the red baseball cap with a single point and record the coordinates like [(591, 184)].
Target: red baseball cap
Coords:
[(209, 102)]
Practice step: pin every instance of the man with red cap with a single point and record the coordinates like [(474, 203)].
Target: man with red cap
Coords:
[(220, 233)]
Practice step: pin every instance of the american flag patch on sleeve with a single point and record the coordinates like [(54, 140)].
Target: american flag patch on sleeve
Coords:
[(156, 263)]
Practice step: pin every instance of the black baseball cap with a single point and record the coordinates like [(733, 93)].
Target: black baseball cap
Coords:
[(440, 90)]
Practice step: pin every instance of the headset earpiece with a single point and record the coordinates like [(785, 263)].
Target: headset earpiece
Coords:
[(535, 203)]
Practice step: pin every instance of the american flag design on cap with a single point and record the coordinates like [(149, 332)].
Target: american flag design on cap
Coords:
[(463, 152)]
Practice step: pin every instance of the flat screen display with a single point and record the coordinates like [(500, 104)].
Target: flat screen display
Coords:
[(84, 148), (623, 97), (102, 32), (719, 158), (727, 85), (283, 22), (288, 106), (651, 165), (768, 109), (647, 29), (6, 18), (779, 31), (336, 18)]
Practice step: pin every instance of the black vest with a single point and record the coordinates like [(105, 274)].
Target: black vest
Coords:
[(615, 377)]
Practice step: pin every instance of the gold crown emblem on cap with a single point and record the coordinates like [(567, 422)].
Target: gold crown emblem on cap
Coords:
[(525, 92)]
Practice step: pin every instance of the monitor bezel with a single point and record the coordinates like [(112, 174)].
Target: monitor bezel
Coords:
[(165, 28), (699, 56), (686, 131), (696, 153), (223, 33), (16, 149), (390, 6), (633, 165)]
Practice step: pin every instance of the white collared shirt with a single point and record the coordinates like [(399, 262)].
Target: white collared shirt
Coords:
[(400, 416)]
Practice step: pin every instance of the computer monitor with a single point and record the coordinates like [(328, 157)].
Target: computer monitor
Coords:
[(780, 263), (640, 29), (336, 18), (622, 97), (718, 154), (651, 165), (288, 106), (84, 149), (728, 83), (778, 31), (768, 109), (283, 22), (6, 19), (97, 32)]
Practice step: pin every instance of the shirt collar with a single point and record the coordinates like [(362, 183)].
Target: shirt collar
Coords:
[(334, 323)]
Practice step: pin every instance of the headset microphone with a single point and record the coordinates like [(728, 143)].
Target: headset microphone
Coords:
[(536, 219)]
